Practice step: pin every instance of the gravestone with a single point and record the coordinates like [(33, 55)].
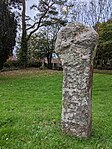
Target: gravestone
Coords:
[(75, 44)]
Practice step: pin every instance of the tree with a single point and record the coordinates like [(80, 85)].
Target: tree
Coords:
[(47, 14), (8, 26), (23, 58), (42, 44), (104, 48), (91, 12)]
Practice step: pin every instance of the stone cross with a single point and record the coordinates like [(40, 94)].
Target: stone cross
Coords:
[(75, 44)]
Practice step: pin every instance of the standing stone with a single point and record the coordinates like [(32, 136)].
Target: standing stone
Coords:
[(75, 44)]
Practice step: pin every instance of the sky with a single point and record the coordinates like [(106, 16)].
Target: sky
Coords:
[(29, 3)]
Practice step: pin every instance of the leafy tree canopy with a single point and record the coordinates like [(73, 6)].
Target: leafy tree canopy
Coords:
[(104, 49), (7, 32)]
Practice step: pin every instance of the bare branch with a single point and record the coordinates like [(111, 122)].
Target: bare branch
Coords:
[(39, 22)]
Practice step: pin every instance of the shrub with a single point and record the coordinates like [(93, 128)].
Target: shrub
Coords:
[(11, 64), (34, 64)]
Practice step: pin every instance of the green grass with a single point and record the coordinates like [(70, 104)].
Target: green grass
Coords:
[(30, 112)]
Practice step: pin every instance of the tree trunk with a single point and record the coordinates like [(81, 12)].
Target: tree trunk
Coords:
[(24, 49), (23, 39), (49, 57), (1, 65), (101, 62)]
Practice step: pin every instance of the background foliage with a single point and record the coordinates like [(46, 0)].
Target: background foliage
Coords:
[(8, 26), (103, 57)]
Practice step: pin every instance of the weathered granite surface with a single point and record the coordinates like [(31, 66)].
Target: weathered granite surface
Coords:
[(75, 43)]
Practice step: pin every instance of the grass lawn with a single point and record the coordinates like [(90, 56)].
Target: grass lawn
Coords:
[(30, 112)]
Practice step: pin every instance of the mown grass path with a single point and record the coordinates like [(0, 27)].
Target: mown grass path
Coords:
[(30, 112)]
